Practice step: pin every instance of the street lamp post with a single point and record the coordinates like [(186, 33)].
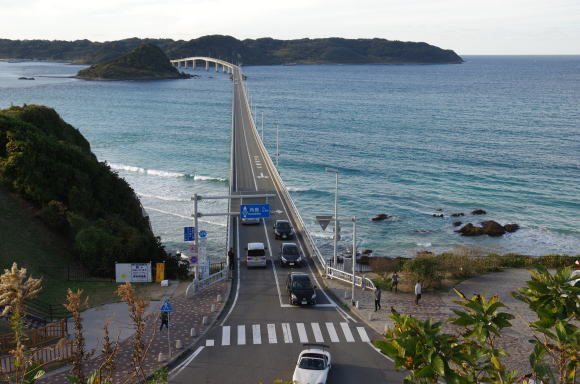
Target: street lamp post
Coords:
[(336, 172), (353, 258), (277, 147)]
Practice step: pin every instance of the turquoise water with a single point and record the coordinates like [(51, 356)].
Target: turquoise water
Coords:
[(497, 133)]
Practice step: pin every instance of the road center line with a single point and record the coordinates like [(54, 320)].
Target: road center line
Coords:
[(226, 335)]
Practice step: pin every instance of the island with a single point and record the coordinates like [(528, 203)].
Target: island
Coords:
[(146, 62), (263, 51)]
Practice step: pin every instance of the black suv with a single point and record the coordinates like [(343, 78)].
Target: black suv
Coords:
[(290, 255), (300, 289), (283, 230)]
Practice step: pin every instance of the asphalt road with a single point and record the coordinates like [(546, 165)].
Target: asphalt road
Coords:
[(260, 337)]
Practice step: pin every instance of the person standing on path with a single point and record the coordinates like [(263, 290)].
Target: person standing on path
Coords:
[(164, 320), (231, 258), (395, 282), (377, 299), (418, 292)]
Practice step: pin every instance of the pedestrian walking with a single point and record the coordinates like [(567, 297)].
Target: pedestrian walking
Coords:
[(164, 320), (418, 291), (395, 282), (231, 258), (377, 299)]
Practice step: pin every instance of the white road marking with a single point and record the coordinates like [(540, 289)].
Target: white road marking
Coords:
[(226, 335), (287, 333), (302, 333), (317, 333), (241, 335), (347, 332), (332, 332), (272, 334), (209, 343), (186, 362), (262, 176), (256, 334), (363, 334)]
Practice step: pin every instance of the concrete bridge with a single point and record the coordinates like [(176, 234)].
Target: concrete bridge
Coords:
[(192, 61)]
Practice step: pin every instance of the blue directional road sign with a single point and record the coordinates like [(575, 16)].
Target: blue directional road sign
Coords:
[(166, 307), (193, 259), (254, 211), (188, 234), (202, 234)]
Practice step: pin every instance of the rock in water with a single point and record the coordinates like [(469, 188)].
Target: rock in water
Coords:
[(470, 230), (381, 217), (437, 215), (457, 223), (457, 214), (492, 228), (146, 62), (511, 227), (478, 212)]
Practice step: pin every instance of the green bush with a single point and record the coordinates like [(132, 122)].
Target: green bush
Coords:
[(428, 269)]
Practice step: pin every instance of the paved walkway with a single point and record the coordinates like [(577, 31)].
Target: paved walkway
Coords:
[(438, 307), (187, 313)]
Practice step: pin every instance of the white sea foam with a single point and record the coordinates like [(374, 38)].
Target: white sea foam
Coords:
[(424, 244), (159, 173), (320, 235), (164, 198)]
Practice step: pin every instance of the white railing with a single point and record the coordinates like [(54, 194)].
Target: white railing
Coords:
[(334, 273), (301, 226), (196, 286)]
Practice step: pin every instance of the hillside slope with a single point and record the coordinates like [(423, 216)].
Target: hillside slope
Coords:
[(48, 163), (146, 62), (264, 51)]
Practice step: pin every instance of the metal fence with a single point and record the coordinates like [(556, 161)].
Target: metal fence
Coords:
[(73, 273), (200, 285), (36, 336), (61, 351)]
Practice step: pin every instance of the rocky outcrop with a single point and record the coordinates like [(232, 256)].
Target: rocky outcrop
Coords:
[(457, 214), (381, 217), (440, 215), (478, 212), (457, 223), (511, 227), (490, 228)]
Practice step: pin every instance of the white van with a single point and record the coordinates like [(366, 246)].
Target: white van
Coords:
[(256, 255)]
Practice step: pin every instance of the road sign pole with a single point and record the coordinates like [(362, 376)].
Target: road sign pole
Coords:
[(195, 223), (168, 338), (336, 222), (353, 256), (277, 147)]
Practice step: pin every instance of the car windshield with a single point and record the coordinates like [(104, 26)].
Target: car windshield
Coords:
[(291, 250), (283, 225), (301, 284), (315, 363)]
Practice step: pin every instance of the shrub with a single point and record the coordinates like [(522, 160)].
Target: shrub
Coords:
[(385, 265), (425, 268)]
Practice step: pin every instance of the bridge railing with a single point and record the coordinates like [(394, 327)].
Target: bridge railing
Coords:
[(320, 262)]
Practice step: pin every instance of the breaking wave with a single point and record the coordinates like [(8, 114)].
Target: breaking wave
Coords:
[(158, 173)]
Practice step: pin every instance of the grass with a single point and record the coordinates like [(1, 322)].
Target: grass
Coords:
[(24, 239)]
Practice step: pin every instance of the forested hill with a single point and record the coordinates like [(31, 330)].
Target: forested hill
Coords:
[(49, 163), (264, 51), (146, 62)]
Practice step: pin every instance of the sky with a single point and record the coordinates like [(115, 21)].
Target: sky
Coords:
[(467, 26)]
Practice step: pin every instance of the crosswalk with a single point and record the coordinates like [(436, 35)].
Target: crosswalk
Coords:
[(288, 333)]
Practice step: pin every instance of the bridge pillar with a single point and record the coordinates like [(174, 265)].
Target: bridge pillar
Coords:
[(207, 65), (184, 63), (216, 66), (193, 64)]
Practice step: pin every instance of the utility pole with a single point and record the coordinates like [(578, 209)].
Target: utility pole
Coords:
[(353, 257), (262, 126), (336, 222), (195, 232)]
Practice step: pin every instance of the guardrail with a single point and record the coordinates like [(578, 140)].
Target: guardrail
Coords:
[(196, 286), (360, 281), (301, 226)]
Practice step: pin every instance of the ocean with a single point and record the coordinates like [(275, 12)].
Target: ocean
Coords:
[(499, 133)]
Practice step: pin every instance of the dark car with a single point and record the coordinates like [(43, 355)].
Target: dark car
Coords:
[(290, 255), (300, 289), (283, 230)]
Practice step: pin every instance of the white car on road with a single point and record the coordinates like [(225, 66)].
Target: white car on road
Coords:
[(313, 365)]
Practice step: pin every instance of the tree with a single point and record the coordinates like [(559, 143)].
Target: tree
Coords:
[(554, 298)]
